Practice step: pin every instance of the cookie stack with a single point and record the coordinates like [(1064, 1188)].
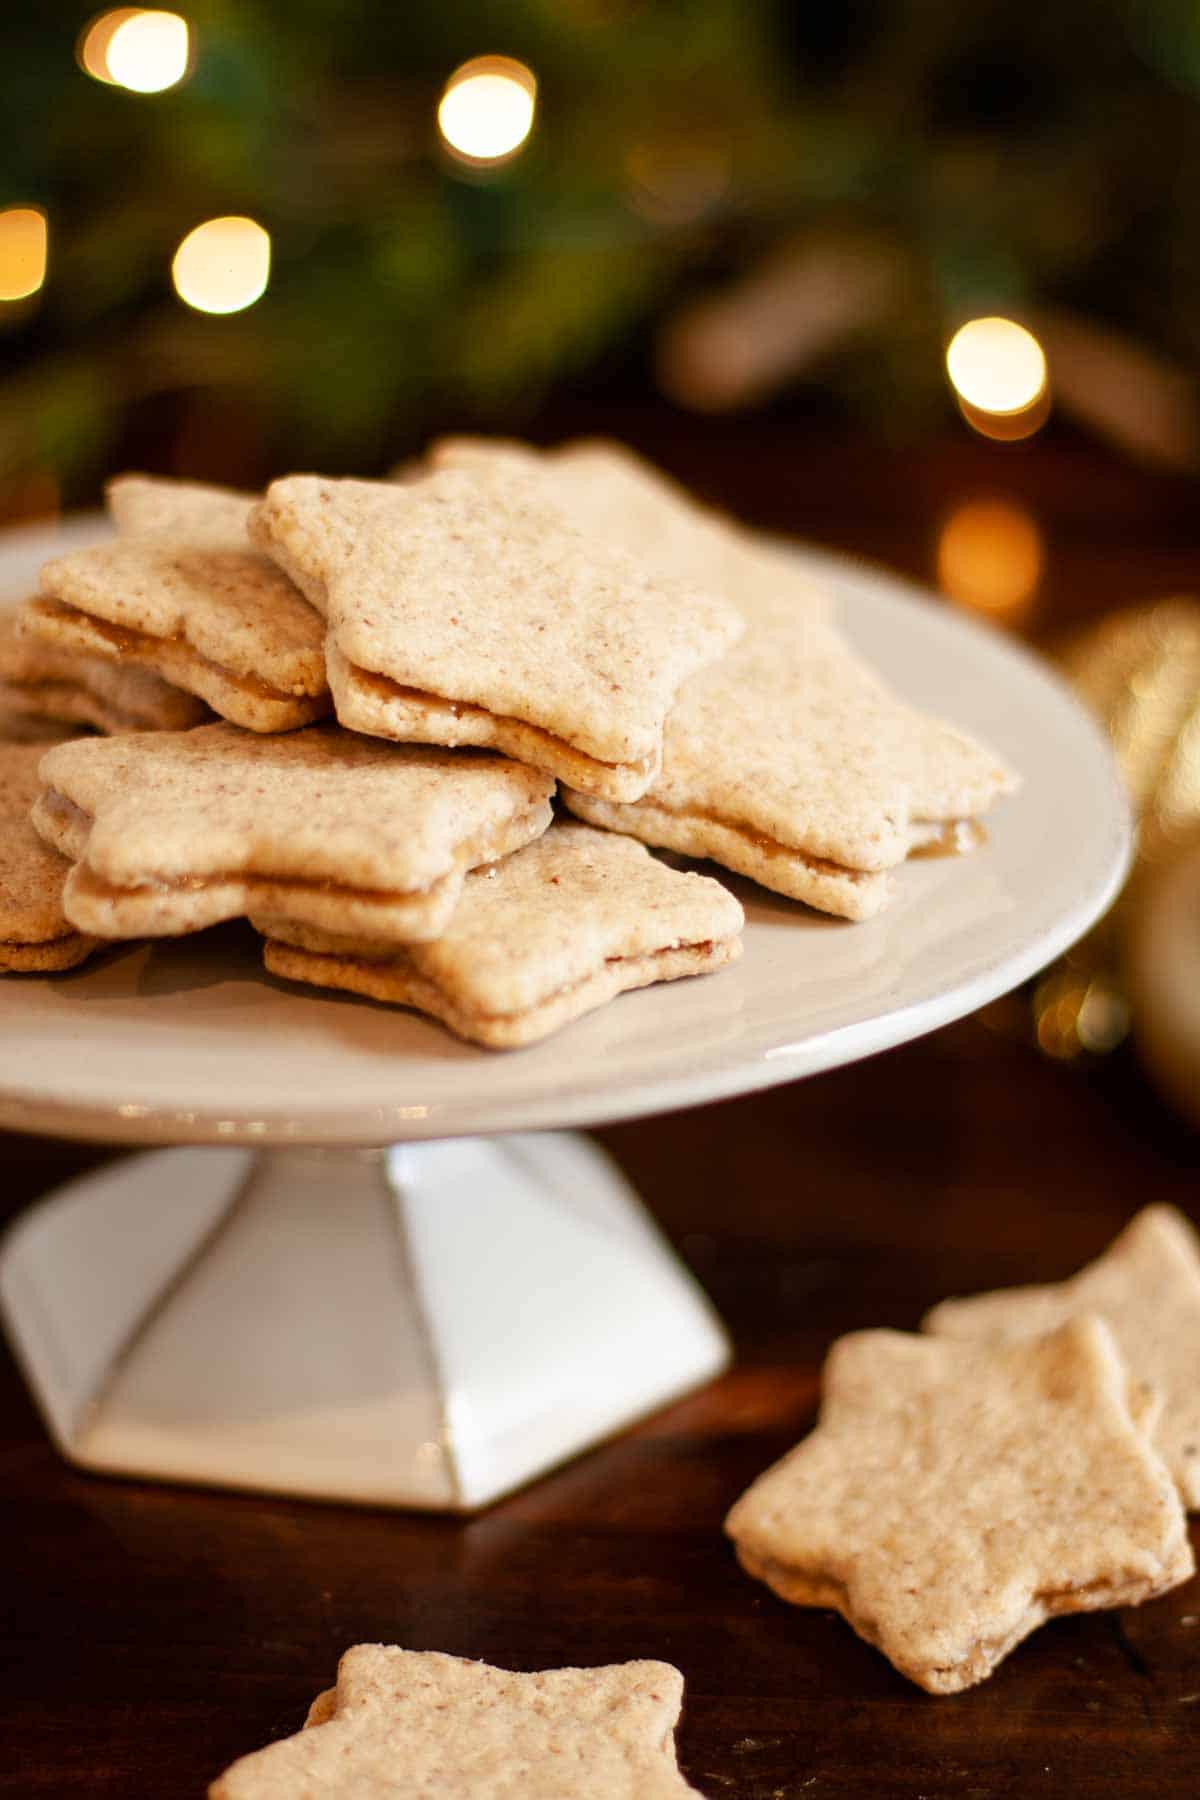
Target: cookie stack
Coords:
[(499, 626)]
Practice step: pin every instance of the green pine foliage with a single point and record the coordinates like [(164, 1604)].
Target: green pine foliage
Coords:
[(1010, 154)]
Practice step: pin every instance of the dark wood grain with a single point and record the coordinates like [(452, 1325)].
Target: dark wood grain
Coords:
[(152, 1634)]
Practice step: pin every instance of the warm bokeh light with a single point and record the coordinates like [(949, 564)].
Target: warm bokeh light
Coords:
[(138, 48), (998, 371), (996, 366), (990, 557), (223, 265), (91, 52), (22, 251), (486, 110), (149, 52)]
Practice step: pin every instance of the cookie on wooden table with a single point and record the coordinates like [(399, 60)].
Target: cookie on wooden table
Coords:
[(35, 934), (40, 681), (174, 831), (790, 761), (194, 602), (536, 941), (407, 1724), (466, 609), (610, 492), (1147, 1287), (953, 1496)]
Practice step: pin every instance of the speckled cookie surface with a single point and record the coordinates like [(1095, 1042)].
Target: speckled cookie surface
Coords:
[(230, 611), (310, 526), (537, 940), (204, 515), (34, 931), (175, 830), (792, 744), (43, 680), (611, 493), (954, 1496), (1147, 1287), (411, 1725), (475, 595)]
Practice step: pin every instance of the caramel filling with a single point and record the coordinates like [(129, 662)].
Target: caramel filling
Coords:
[(101, 888), (142, 645), (469, 854), (954, 837), (387, 689), (407, 957), (758, 840)]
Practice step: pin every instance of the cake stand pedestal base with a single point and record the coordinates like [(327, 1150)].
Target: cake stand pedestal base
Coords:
[(428, 1325)]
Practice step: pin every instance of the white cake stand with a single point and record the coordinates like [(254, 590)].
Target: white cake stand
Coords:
[(369, 1292)]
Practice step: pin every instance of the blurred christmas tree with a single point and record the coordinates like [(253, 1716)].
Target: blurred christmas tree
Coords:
[(849, 182)]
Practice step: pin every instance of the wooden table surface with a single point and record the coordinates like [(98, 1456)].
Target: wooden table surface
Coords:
[(152, 1634)]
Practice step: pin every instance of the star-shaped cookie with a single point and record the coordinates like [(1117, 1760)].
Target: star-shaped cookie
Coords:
[(35, 935), (192, 600), (791, 762), (41, 681), (466, 609), (537, 940), (195, 510), (611, 493), (408, 1725), (173, 831), (1147, 1286), (953, 1496)]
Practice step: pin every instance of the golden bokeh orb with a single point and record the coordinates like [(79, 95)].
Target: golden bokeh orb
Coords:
[(487, 109), (223, 266)]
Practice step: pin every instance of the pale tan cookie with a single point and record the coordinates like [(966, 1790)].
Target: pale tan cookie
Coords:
[(954, 1496), (310, 524), (610, 492), (791, 762), (213, 516), (34, 931), (174, 831), (1147, 1287), (412, 1724), (40, 681), (468, 610), (225, 624), (539, 939)]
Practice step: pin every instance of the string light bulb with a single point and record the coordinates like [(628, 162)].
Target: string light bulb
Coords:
[(486, 110), (998, 372), (223, 266), (138, 48), (23, 251)]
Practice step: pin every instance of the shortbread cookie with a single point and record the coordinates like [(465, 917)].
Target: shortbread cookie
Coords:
[(310, 525), (175, 831), (214, 517), (40, 681), (34, 931), (954, 1496), (790, 762), (184, 593), (409, 1724), (1147, 1287), (468, 610), (226, 625), (551, 933), (611, 493)]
